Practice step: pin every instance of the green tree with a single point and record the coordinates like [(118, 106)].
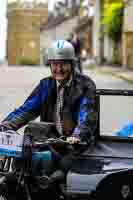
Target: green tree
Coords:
[(113, 22)]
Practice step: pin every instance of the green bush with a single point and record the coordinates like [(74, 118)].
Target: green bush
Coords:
[(113, 19), (27, 61), (113, 23)]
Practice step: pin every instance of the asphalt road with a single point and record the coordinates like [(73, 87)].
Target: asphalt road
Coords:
[(17, 82)]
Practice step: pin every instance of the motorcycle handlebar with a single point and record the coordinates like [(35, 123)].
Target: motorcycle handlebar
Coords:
[(52, 141), (29, 140)]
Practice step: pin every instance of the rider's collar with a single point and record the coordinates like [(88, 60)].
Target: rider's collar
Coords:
[(68, 83)]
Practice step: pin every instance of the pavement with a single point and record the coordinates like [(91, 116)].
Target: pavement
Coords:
[(115, 71)]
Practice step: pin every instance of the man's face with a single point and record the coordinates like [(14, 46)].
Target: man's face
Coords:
[(61, 70)]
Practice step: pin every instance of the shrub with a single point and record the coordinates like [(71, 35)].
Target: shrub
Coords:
[(113, 24), (113, 19)]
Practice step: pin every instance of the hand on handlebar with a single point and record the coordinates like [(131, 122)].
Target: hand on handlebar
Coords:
[(68, 140), (4, 128), (73, 140)]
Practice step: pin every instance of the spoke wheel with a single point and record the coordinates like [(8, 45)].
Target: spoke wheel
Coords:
[(3, 197)]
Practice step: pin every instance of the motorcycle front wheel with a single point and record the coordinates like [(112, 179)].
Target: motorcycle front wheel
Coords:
[(8, 192), (6, 196), (3, 197)]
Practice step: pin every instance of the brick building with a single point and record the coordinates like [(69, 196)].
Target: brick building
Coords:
[(23, 45)]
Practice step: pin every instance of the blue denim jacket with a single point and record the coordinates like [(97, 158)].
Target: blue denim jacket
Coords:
[(79, 110)]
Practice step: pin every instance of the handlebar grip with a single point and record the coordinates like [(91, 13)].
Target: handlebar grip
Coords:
[(58, 141)]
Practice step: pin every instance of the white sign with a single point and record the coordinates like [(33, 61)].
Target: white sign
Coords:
[(11, 144)]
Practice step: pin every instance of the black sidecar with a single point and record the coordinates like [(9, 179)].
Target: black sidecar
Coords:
[(105, 171)]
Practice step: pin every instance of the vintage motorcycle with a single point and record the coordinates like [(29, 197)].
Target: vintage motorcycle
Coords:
[(16, 177), (103, 171)]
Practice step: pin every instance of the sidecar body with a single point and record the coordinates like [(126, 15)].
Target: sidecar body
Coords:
[(106, 170)]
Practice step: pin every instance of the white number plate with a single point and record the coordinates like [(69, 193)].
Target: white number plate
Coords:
[(11, 144)]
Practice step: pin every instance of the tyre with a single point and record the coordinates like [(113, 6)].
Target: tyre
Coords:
[(3, 197), (8, 191), (118, 187)]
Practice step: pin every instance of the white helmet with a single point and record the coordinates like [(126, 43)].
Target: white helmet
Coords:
[(61, 50)]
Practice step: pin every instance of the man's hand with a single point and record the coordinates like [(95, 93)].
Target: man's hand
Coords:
[(4, 128), (73, 140)]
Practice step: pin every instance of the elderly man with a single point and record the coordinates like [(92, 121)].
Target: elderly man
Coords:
[(65, 98)]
